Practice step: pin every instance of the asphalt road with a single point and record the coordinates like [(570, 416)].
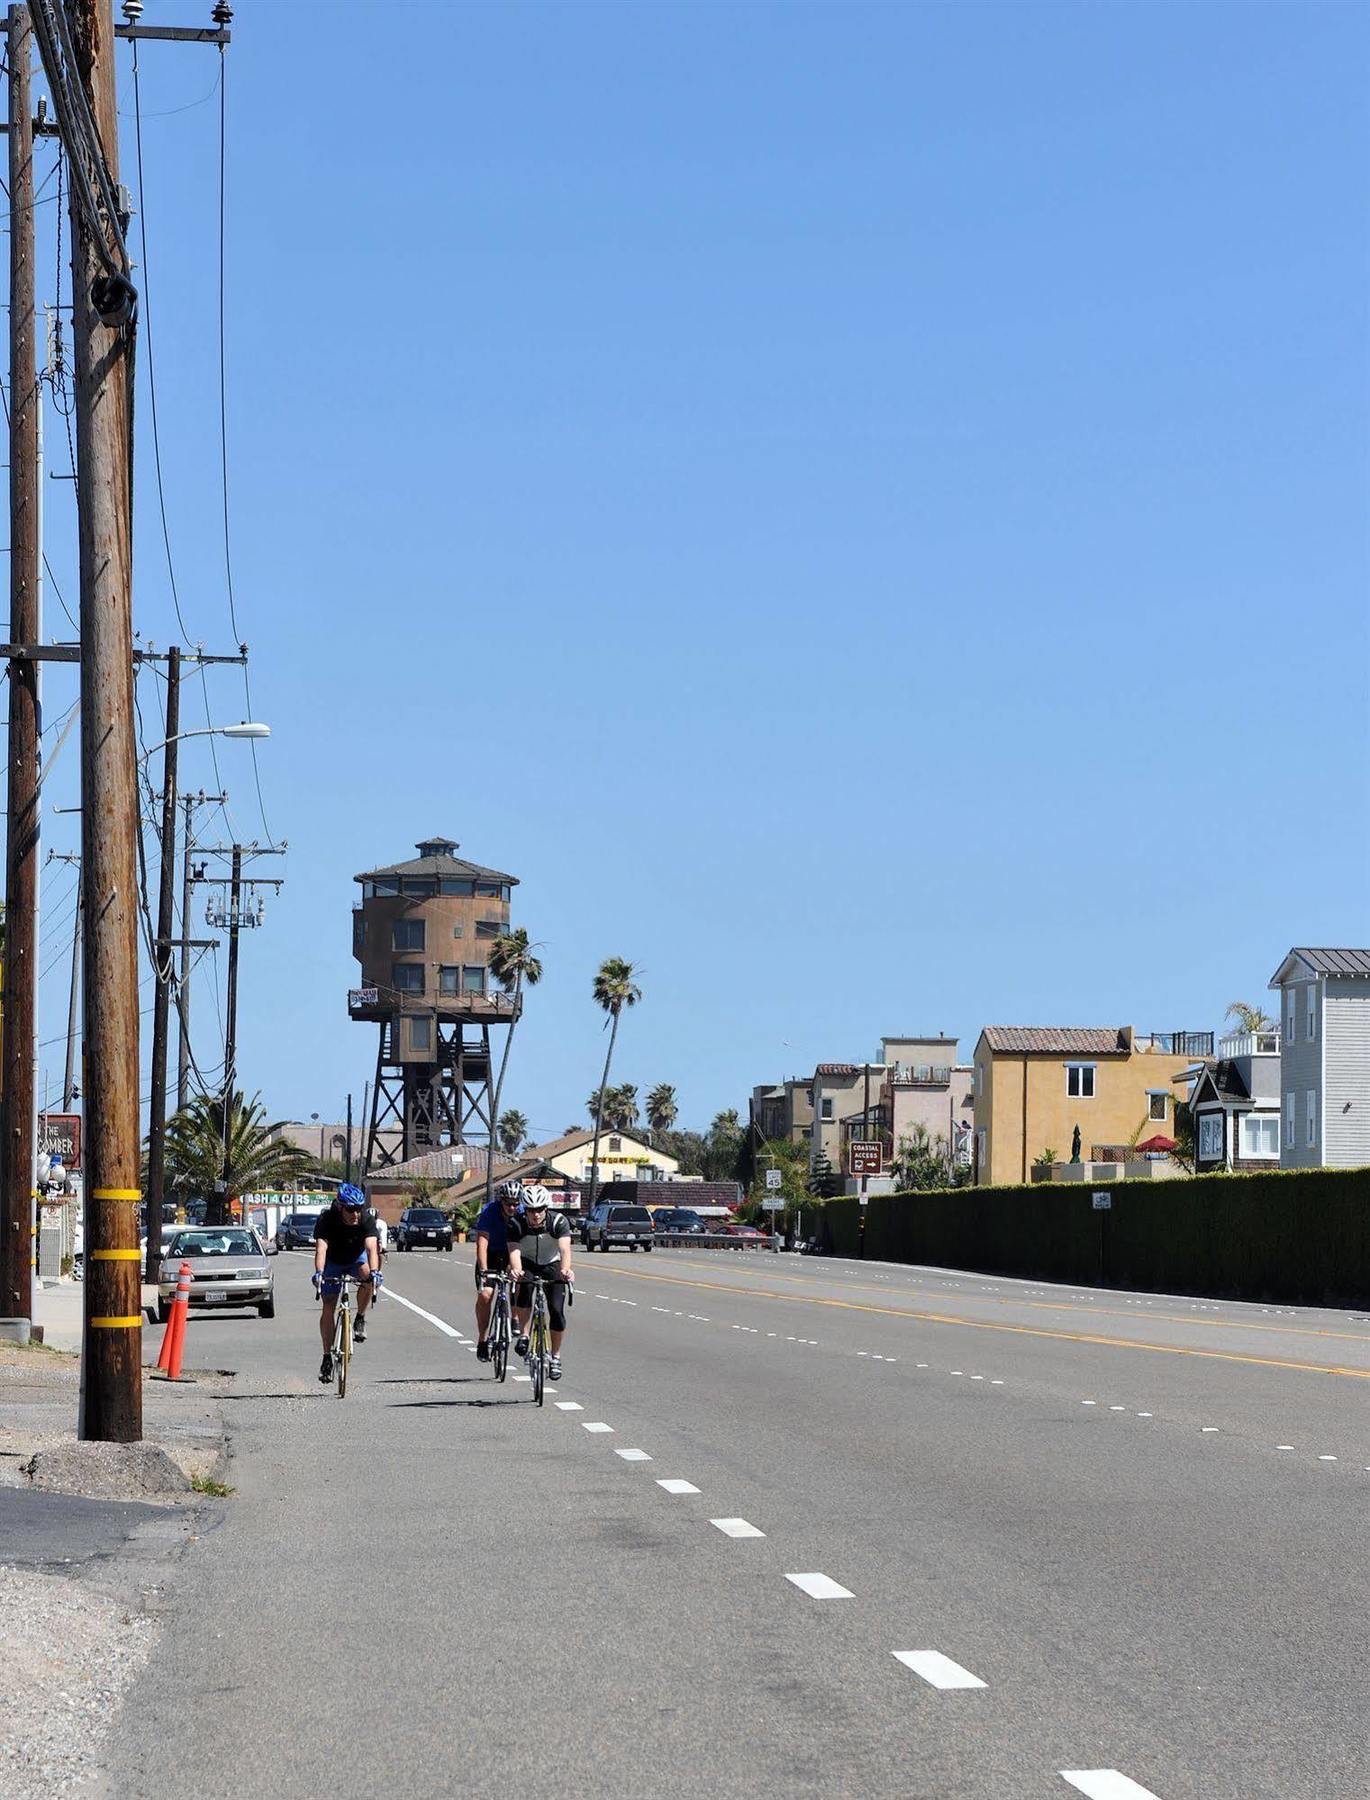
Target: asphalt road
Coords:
[(788, 1527)]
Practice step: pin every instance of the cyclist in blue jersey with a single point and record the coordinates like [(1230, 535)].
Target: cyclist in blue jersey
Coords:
[(492, 1254), (345, 1244)]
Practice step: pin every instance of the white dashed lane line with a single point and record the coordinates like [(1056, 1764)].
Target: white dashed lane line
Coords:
[(432, 1318), (595, 1425), (673, 1485), (1106, 1784), (569, 1406), (820, 1587), (633, 1455), (937, 1670), (737, 1528)]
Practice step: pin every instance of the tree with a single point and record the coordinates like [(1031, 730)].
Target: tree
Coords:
[(258, 1158), (724, 1147), (514, 967), (661, 1109), (792, 1160), (513, 1130), (922, 1161), (615, 987), (1249, 1018)]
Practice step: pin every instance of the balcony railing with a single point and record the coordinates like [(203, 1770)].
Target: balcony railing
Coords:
[(1250, 1043), (921, 1074), (371, 1002), (1182, 1043)]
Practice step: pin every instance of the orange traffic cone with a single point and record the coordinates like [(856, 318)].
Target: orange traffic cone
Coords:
[(169, 1357)]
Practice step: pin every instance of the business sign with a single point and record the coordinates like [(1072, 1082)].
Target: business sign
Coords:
[(864, 1156), (59, 1134), (363, 997), (774, 1179), (1103, 1202)]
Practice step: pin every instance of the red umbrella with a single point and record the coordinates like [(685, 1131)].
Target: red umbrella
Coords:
[(1158, 1143)]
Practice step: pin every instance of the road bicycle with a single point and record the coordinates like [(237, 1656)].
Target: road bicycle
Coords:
[(539, 1351), (500, 1333), (342, 1330)]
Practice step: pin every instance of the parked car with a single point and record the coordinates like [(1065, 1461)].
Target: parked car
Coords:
[(677, 1218), (228, 1268), (732, 1229), (296, 1231), (423, 1225), (627, 1226)]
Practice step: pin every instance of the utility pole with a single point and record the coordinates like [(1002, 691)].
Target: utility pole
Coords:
[(111, 1395), (69, 1078), (25, 722), (189, 802), (162, 953), (348, 1176)]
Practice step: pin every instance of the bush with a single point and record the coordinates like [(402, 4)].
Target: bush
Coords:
[(1300, 1235)]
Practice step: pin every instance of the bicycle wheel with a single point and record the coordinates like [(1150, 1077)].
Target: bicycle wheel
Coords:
[(500, 1348), (343, 1355), (538, 1359)]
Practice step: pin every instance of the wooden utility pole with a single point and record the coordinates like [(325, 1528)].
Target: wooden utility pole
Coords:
[(189, 802), (231, 1027), (25, 722), (112, 1398), (161, 999)]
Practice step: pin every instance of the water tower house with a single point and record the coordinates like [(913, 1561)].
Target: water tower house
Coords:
[(422, 934)]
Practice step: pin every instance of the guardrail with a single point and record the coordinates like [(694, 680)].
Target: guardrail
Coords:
[(713, 1240)]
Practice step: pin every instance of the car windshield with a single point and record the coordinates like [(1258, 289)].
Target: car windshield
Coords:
[(302, 1221), (686, 1218), (214, 1243), (630, 1215), (427, 1215)]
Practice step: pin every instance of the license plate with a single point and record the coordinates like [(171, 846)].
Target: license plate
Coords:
[(213, 1294), (631, 1238)]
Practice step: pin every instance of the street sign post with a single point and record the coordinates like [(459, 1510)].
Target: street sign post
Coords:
[(773, 1178), (864, 1156), (773, 1203)]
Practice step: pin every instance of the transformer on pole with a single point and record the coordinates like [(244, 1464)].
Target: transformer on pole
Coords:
[(422, 933)]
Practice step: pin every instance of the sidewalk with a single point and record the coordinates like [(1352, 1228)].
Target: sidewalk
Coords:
[(58, 1311)]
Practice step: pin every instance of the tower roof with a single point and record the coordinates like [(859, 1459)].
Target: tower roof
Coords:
[(435, 857)]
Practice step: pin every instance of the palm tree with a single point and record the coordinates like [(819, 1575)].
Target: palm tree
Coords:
[(512, 1129), (625, 1108), (250, 1158), (1249, 1018), (615, 987), (662, 1112), (514, 967)]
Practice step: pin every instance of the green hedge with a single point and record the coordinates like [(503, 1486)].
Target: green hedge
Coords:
[(1299, 1235)]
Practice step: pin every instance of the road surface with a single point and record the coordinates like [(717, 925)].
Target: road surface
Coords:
[(788, 1527)]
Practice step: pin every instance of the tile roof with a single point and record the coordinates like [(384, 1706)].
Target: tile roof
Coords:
[(441, 862), (1056, 1040), (841, 1068)]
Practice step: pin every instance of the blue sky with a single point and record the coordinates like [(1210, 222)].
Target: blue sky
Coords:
[(862, 508)]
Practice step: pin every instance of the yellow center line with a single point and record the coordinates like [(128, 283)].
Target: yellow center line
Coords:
[(1069, 1337), (1108, 1312)]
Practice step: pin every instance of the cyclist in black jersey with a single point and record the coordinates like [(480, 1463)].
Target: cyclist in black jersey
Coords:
[(540, 1244)]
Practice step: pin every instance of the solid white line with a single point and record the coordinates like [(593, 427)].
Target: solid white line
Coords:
[(675, 1486), (633, 1455), (820, 1587), (569, 1406), (1105, 1784), (737, 1528), (432, 1318), (595, 1425), (938, 1670)]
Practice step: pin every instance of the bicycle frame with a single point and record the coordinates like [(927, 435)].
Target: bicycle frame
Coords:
[(501, 1331), (342, 1330), (539, 1333)]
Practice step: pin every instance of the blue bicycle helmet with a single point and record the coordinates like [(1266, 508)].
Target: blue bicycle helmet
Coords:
[(349, 1194)]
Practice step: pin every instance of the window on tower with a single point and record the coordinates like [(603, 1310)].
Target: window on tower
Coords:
[(407, 978), (407, 934)]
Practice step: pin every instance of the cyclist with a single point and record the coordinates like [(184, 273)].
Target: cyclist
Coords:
[(345, 1244), (492, 1254), (540, 1244)]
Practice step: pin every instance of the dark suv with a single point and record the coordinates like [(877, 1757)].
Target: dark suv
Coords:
[(296, 1231), (423, 1225), (629, 1226), (678, 1219)]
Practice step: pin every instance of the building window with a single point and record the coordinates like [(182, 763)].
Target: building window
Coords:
[(826, 1108), (420, 1034), (406, 934), (489, 928), (463, 889), (407, 978), (979, 1080), (418, 884), (1156, 1109), (1291, 1020), (449, 979), (473, 978), (385, 887), (615, 1143), (1291, 1103), (1211, 1137), (1312, 1013), (1310, 1122), (1080, 1081), (982, 1147), (1260, 1135)]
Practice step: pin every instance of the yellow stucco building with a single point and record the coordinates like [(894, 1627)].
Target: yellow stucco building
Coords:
[(1034, 1084)]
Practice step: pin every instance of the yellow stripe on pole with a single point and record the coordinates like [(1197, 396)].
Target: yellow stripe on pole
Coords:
[(116, 1255), (117, 1323), (116, 1193)]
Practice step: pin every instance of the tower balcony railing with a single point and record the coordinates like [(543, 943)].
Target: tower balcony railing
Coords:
[(380, 1002), (1250, 1043)]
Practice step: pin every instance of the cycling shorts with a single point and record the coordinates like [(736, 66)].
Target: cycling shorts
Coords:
[(334, 1272), (556, 1295), (497, 1264)]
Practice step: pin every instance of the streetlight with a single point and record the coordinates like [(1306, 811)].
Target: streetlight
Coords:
[(246, 728)]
